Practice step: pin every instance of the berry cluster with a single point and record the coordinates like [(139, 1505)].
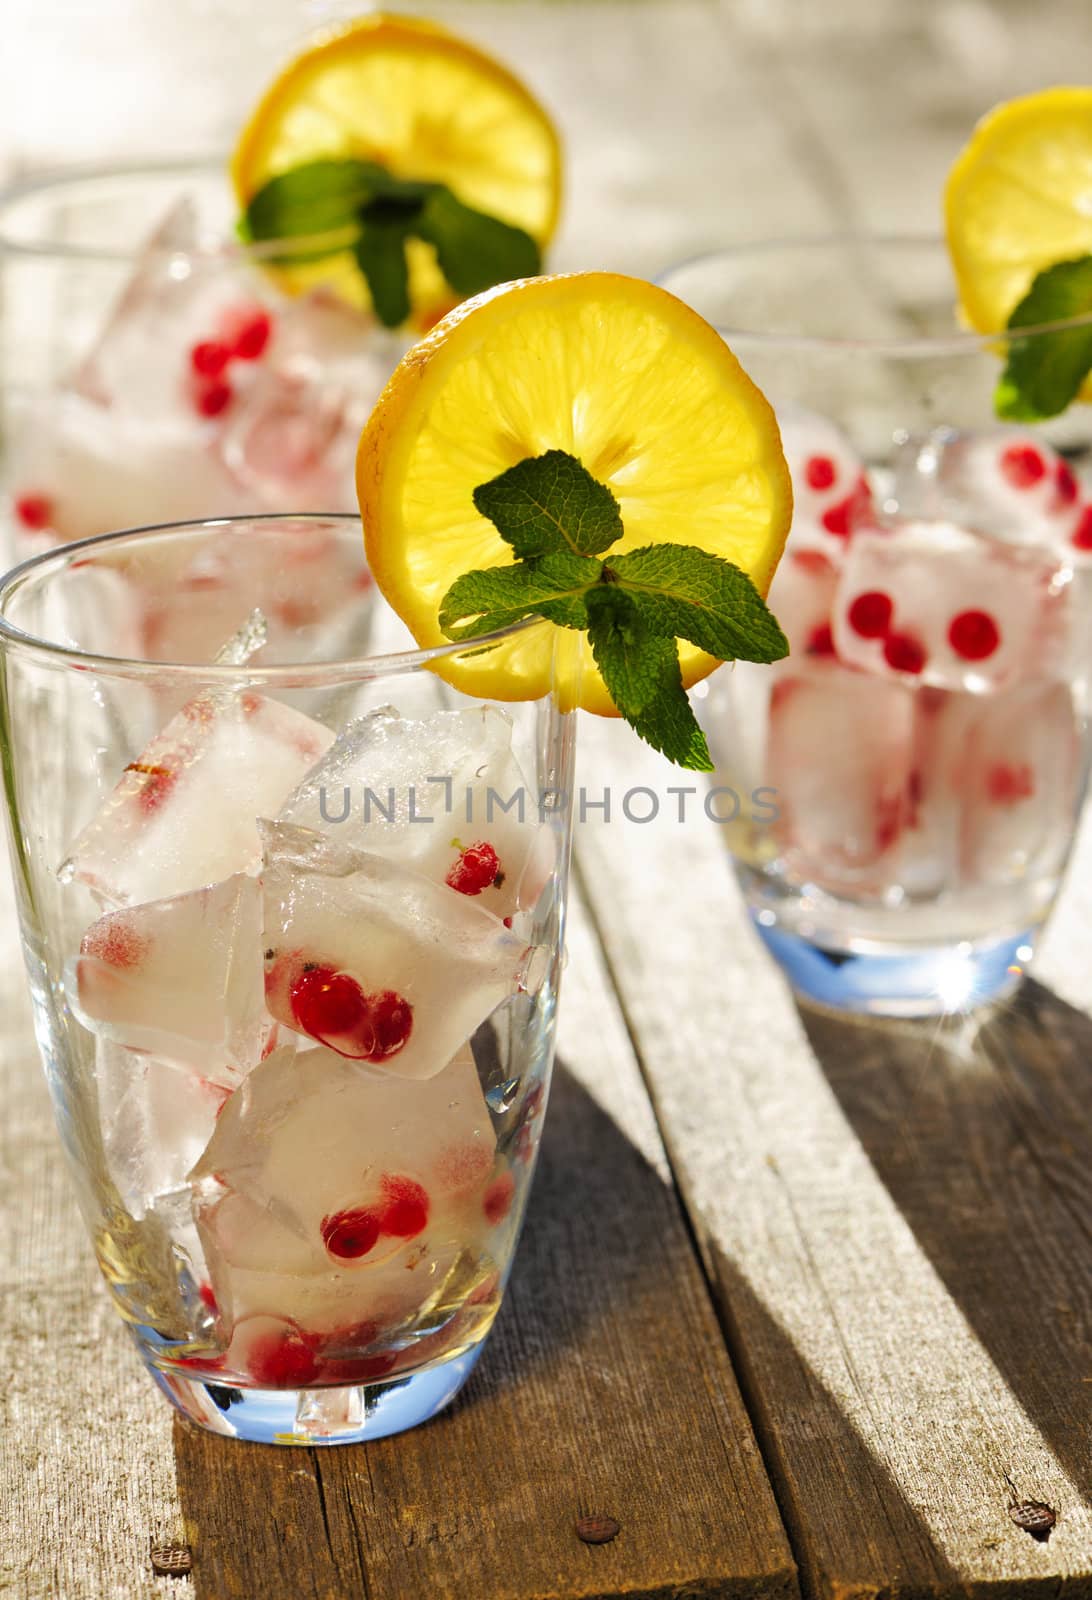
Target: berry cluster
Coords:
[(243, 335)]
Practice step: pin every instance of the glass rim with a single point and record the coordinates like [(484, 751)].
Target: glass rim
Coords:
[(75, 174), (960, 341), (285, 674)]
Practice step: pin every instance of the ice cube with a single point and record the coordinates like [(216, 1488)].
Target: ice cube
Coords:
[(831, 493), (802, 599), (181, 978), (156, 1117), (184, 813), (839, 755), (443, 794), (375, 960), (185, 334), (327, 1197), (932, 602), (1021, 768), (1006, 483)]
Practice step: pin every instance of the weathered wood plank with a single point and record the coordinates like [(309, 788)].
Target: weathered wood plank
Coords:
[(892, 1216), (605, 1389)]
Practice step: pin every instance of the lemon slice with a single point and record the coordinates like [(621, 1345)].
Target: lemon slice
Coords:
[(427, 106), (1019, 199), (613, 370)]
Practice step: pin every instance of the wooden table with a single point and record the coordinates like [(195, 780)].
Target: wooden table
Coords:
[(803, 1304)]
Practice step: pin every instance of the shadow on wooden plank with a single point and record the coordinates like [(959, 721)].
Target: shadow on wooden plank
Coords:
[(605, 1389), (981, 1132), (871, 1537)]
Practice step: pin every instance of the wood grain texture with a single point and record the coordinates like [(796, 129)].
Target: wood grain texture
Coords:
[(604, 1389), (895, 1217)]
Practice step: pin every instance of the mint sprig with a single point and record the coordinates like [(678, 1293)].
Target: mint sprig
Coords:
[(345, 204), (560, 522), (1044, 373)]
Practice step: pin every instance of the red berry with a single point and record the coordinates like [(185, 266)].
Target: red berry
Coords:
[(157, 784), (209, 358), (1007, 786), (208, 1298), (281, 1359), (813, 561), (34, 511), (840, 519), (391, 1020), (351, 1234), (477, 868), (214, 397), (870, 614), (1082, 534), (114, 941), (820, 472), (1022, 466), (974, 635), (888, 820), (904, 653), (1065, 483), (326, 1003), (820, 641), (405, 1207), (249, 331), (498, 1198)]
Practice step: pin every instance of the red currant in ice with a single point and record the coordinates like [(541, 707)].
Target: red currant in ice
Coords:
[(209, 358), (35, 511), (476, 869), (281, 1358), (1022, 466), (840, 519), (213, 398), (1082, 533), (351, 1234), (1007, 785), (904, 653), (870, 614), (820, 641), (391, 1020), (1065, 483), (974, 635), (819, 472), (326, 1003), (252, 333), (405, 1207), (498, 1198)]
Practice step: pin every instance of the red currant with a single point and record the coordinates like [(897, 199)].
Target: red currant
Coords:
[(1022, 466), (819, 472), (974, 635), (870, 614), (351, 1234), (904, 653)]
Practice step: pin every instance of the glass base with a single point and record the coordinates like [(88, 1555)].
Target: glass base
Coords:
[(346, 1415), (926, 981)]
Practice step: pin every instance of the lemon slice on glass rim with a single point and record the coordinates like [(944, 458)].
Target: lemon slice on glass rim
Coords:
[(427, 106), (610, 369)]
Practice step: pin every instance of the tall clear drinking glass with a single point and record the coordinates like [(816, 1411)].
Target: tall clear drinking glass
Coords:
[(292, 916), (150, 366), (906, 785)]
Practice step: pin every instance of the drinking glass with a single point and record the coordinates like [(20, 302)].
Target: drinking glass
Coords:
[(901, 794), (292, 916), (150, 367)]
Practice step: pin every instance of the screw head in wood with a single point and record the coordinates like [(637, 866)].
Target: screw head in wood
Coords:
[(597, 1529), (1035, 1518), (172, 1560)]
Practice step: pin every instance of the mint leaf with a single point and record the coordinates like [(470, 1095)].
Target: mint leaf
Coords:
[(475, 250), (688, 593), (1044, 373), (554, 587), (316, 198), (550, 503), (641, 671), (381, 256)]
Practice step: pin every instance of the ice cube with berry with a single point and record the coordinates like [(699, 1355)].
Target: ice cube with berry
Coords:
[(831, 491), (373, 959), (930, 601), (443, 794), (184, 813)]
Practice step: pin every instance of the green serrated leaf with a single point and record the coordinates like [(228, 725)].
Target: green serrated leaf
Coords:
[(381, 256), (475, 250), (551, 503), (554, 587), (316, 198), (1044, 373), (688, 593), (641, 671)]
